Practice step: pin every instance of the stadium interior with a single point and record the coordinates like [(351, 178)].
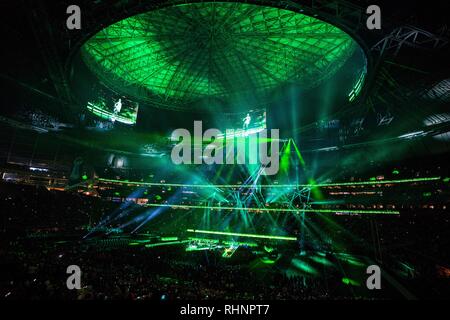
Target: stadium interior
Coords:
[(86, 150)]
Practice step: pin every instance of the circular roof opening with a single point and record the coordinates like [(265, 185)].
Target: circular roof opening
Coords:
[(187, 55)]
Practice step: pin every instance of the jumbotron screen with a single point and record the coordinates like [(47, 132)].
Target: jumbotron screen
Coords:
[(247, 123), (115, 109)]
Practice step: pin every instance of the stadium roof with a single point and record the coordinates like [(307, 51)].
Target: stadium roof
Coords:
[(230, 51)]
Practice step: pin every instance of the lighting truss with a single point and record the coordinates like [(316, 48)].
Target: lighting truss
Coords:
[(409, 36), (384, 120)]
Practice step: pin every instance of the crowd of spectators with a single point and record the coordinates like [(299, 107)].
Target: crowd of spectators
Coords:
[(37, 270), (42, 234)]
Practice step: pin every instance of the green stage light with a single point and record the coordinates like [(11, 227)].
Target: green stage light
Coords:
[(303, 266), (193, 248), (299, 155), (268, 249), (240, 243), (278, 210), (380, 182), (315, 189), (244, 235), (352, 260), (169, 238), (286, 158), (204, 240), (358, 85), (267, 260), (160, 244), (350, 282), (322, 260), (229, 252)]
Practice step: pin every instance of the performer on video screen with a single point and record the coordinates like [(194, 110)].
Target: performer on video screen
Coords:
[(118, 106), (247, 121)]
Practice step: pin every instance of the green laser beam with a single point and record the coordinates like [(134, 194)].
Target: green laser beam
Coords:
[(181, 206), (218, 186), (160, 244), (244, 235)]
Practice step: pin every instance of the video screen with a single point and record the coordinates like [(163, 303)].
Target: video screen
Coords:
[(244, 124), (115, 108)]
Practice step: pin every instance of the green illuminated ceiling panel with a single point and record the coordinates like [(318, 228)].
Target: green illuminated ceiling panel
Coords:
[(185, 53)]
